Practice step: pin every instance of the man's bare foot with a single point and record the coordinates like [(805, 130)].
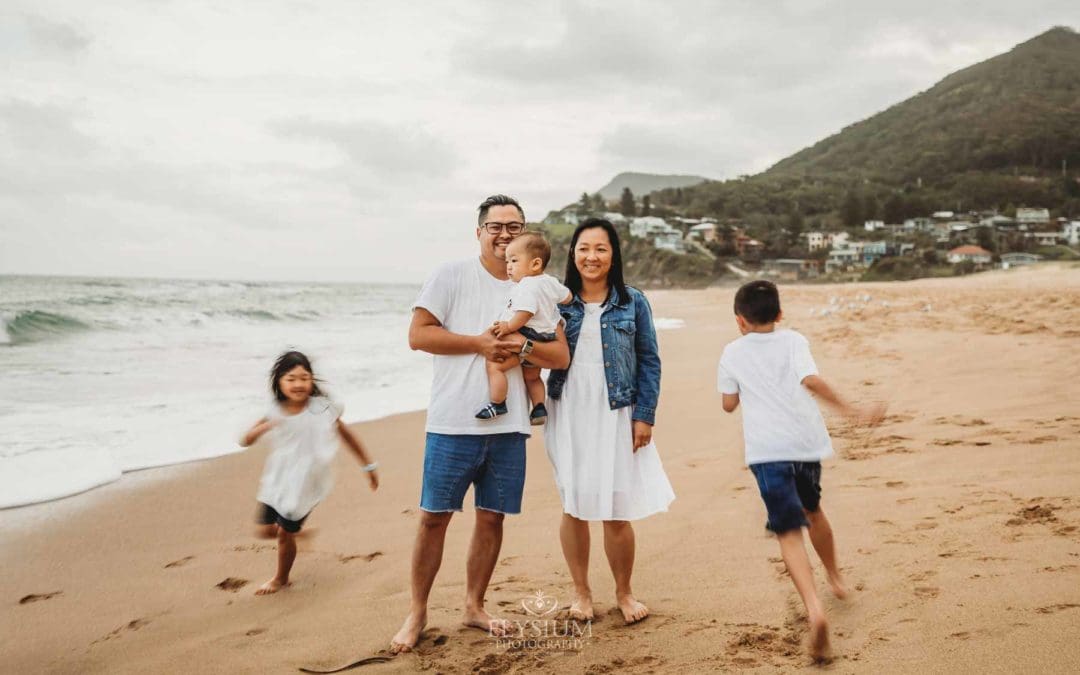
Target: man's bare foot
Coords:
[(581, 608), (272, 586), (479, 618), (819, 638), (409, 634), (632, 610), (836, 583)]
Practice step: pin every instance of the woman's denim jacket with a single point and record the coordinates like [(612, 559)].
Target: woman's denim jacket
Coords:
[(631, 357)]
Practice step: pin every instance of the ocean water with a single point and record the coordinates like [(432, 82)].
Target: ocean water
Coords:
[(107, 376)]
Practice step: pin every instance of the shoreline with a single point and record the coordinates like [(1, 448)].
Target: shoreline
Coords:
[(957, 522)]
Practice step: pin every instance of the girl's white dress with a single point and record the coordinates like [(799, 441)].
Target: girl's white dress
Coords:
[(299, 470), (591, 446)]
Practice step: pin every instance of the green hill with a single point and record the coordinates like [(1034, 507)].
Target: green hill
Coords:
[(994, 135), (644, 183)]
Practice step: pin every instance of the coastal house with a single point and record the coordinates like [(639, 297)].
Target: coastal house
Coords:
[(790, 269), (872, 225), (1009, 260), (671, 240), (748, 248), (943, 215), (872, 250), (842, 259), (615, 218), (648, 226), (1026, 216), (1071, 233), (975, 254), (998, 222), (817, 240), (1046, 238), (919, 225), (704, 232)]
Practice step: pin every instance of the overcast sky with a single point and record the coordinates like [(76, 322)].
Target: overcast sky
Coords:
[(353, 140)]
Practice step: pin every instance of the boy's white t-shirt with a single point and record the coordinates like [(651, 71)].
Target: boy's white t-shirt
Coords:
[(465, 298), (541, 296), (781, 420), (299, 469)]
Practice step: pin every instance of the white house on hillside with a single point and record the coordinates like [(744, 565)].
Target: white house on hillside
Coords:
[(976, 254), (1033, 216), (1071, 232)]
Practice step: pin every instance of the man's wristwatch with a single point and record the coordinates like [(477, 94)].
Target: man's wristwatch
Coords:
[(526, 348)]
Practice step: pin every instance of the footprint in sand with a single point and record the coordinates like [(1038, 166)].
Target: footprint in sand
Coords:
[(255, 631), (133, 625), (927, 591), (895, 483), (367, 557), (181, 562), (37, 597), (232, 584), (1053, 609)]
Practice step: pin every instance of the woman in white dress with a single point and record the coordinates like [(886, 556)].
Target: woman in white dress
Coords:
[(601, 412)]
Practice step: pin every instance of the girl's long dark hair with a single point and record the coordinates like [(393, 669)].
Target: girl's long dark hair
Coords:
[(284, 364), (615, 274)]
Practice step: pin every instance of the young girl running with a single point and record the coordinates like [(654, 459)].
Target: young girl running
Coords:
[(304, 428)]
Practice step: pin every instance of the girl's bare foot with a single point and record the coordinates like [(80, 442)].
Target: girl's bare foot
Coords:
[(272, 586), (409, 634), (632, 610), (836, 583), (479, 618), (819, 638), (581, 608)]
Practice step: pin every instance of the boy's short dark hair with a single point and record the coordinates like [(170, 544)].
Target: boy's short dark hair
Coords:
[(536, 246), (758, 302)]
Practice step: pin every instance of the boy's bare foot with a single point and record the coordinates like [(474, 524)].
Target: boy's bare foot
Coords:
[(409, 634), (272, 586), (632, 610), (581, 608), (819, 638), (479, 618), (836, 583)]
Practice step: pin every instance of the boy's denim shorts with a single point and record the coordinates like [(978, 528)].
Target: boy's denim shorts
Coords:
[(787, 488), (493, 463)]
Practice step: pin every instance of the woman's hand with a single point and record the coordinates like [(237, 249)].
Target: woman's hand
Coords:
[(642, 434)]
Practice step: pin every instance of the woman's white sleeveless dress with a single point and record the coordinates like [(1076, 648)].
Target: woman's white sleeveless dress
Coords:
[(591, 446)]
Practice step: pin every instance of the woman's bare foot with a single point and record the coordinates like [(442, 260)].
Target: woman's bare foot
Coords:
[(409, 634), (819, 638), (581, 608), (632, 610), (836, 583), (272, 586), (479, 618)]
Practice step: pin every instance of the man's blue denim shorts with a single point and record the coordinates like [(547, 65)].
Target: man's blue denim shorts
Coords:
[(787, 488), (493, 463)]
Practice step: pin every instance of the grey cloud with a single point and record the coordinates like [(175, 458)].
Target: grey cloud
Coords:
[(377, 146), (42, 128), (57, 36)]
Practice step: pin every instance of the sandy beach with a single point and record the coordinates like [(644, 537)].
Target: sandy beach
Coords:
[(957, 522)]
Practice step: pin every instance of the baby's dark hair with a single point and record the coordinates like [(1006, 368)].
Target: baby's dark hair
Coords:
[(284, 364), (536, 246), (758, 302)]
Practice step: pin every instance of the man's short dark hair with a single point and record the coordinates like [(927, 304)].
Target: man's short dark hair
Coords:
[(498, 200), (536, 246), (758, 302)]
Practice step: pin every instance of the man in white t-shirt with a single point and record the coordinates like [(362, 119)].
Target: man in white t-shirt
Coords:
[(772, 374), (452, 320)]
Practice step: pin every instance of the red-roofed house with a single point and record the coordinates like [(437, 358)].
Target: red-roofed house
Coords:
[(976, 254)]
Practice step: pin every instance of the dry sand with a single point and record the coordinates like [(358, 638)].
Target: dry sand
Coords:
[(958, 522)]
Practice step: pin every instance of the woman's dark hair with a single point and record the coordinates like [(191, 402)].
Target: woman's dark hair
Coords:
[(615, 274), (284, 364)]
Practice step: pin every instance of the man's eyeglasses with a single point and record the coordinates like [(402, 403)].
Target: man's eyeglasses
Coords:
[(513, 228)]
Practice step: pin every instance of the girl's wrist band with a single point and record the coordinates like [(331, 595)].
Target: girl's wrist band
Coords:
[(370, 467)]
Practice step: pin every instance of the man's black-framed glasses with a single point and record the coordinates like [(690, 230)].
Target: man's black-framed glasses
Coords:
[(512, 228)]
